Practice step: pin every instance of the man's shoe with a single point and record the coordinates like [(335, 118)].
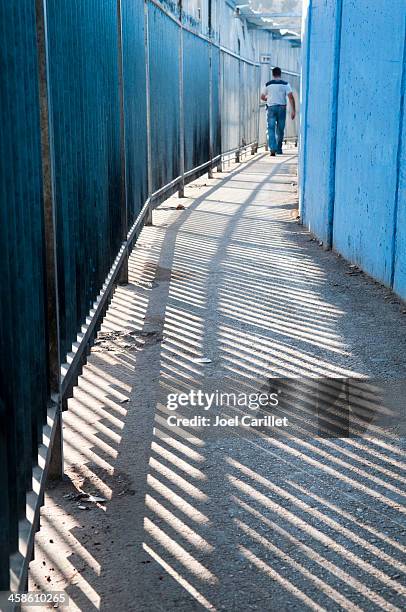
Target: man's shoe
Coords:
[(273, 153), (280, 152)]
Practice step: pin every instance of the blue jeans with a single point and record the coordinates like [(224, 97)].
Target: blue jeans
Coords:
[(276, 126)]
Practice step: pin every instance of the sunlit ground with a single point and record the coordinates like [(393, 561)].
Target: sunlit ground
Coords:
[(228, 522)]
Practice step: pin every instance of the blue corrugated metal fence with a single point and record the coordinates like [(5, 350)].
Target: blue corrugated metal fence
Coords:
[(24, 381), (107, 108)]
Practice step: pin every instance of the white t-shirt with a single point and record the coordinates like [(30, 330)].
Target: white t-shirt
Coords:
[(277, 91)]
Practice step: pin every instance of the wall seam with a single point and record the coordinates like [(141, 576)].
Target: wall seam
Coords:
[(305, 113), (334, 123), (398, 161)]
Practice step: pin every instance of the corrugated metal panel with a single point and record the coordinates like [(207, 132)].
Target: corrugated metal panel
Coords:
[(234, 32), (196, 100), (196, 13), (230, 102), (216, 111), (281, 51), (292, 126), (135, 106), (249, 103), (229, 27), (23, 351), (164, 95), (240, 102), (173, 6), (85, 114)]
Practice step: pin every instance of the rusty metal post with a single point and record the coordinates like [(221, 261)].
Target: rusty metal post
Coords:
[(181, 191), (148, 218), (210, 172), (238, 153), (123, 278), (55, 470)]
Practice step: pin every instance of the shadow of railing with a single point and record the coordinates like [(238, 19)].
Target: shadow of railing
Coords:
[(309, 519)]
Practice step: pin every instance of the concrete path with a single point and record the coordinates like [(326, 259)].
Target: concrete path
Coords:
[(223, 519)]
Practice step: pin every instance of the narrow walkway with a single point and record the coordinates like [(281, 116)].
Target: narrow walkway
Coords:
[(227, 521)]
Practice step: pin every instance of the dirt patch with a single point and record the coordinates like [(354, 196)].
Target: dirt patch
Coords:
[(128, 340)]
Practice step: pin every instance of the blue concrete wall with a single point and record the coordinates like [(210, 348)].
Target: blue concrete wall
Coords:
[(321, 91), (399, 281), (353, 185), (304, 84), (368, 133)]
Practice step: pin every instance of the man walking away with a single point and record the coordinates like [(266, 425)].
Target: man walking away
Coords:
[(275, 95)]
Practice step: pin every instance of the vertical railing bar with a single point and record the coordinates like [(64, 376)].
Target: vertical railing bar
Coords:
[(148, 218), (75, 243), (210, 172), (258, 104), (219, 110), (56, 463), (181, 191), (238, 153)]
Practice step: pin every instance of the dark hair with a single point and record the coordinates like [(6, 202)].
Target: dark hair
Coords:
[(276, 71)]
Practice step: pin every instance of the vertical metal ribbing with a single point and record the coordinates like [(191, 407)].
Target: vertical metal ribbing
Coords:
[(210, 173), (5, 539), (220, 97), (258, 106), (148, 218), (398, 162), (238, 153), (54, 367), (181, 191), (123, 278)]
